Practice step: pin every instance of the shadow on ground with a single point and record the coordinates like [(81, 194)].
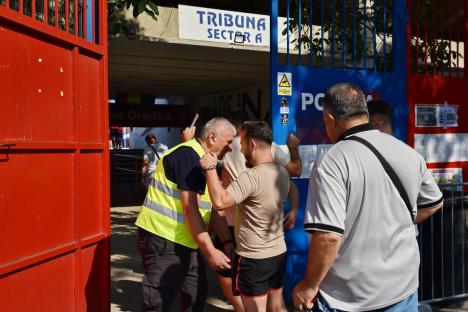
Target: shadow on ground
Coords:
[(127, 194), (127, 272)]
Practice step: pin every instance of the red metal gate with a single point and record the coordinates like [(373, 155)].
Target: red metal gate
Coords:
[(54, 193), (437, 72), (438, 129)]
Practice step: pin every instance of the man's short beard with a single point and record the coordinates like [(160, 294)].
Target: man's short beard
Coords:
[(248, 165)]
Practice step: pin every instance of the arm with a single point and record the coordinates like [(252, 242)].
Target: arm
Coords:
[(218, 221), (144, 170), (430, 198), (294, 166), (220, 198), (220, 226), (215, 258), (290, 218), (424, 213), (323, 249)]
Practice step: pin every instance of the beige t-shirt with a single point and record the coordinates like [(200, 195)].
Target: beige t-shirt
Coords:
[(234, 165), (260, 193)]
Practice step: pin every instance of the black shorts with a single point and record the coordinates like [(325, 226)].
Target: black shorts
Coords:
[(255, 277), (218, 244)]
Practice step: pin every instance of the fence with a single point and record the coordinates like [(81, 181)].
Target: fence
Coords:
[(126, 165), (443, 247), (437, 37), (338, 34), (125, 177)]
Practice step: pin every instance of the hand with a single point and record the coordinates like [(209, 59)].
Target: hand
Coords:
[(292, 141), (229, 250), (304, 296), (187, 134), (290, 220), (217, 260), (208, 160)]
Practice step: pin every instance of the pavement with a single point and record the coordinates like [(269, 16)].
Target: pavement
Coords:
[(127, 273)]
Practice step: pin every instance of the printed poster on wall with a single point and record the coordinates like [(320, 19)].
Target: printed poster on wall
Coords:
[(438, 115), (446, 177)]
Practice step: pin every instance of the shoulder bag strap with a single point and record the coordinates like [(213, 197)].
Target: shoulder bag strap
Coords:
[(391, 173), (157, 155)]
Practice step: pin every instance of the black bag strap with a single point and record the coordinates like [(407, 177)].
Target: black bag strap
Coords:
[(157, 155), (391, 173)]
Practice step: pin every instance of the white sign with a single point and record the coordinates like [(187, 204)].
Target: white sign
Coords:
[(308, 154), (206, 24), (284, 110), (438, 115), (452, 176), (442, 148)]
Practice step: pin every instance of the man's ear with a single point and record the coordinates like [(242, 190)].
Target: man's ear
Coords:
[(252, 145), (211, 138), (330, 121)]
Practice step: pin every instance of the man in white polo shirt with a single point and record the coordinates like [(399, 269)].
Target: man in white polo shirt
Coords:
[(363, 254)]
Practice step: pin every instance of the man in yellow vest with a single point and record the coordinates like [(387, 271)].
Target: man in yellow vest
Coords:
[(173, 219)]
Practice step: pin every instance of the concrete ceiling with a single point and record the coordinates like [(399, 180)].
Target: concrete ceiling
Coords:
[(164, 69)]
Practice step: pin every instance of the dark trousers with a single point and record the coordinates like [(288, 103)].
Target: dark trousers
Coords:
[(171, 269)]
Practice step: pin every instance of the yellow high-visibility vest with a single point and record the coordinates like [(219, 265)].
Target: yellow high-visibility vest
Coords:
[(162, 213)]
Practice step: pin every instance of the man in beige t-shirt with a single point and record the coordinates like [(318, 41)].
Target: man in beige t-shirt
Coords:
[(260, 192)]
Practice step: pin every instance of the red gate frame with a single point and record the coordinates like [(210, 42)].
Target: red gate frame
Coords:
[(50, 274), (430, 88)]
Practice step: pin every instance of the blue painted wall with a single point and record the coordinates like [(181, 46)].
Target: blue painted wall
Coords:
[(306, 120)]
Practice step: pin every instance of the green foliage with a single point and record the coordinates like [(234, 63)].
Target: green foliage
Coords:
[(430, 49), (118, 23), (346, 22)]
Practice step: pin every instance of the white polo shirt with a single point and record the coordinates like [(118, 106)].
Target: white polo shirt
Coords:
[(351, 194)]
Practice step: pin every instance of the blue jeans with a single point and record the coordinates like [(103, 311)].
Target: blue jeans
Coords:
[(409, 304)]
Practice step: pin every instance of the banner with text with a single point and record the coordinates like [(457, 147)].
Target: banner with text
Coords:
[(206, 24)]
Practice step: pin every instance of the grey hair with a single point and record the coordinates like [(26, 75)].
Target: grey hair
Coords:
[(345, 100), (216, 125)]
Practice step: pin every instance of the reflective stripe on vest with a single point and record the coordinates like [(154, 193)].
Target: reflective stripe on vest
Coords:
[(162, 212), (174, 215), (175, 193)]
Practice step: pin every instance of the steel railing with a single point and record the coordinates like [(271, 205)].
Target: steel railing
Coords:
[(125, 166), (443, 246)]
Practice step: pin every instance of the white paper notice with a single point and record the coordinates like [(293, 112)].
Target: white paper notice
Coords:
[(308, 154), (436, 115), (442, 147)]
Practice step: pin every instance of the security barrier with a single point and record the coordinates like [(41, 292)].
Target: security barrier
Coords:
[(125, 177), (443, 246), (125, 166)]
